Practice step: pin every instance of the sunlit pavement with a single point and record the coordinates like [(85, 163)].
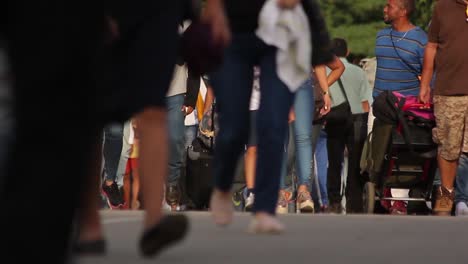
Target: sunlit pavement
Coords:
[(308, 239)]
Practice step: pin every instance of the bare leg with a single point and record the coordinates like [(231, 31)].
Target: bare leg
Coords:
[(153, 161), (448, 171), (250, 161), (127, 184), (135, 185), (159, 231)]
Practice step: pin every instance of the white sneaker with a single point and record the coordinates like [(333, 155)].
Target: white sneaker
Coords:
[(461, 209), (249, 202)]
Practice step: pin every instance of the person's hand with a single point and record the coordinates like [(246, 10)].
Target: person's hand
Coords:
[(326, 105), (425, 95), (292, 116), (187, 109), (288, 4), (214, 16)]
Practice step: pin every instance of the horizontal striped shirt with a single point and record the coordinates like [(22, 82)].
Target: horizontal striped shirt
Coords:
[(394, 51)]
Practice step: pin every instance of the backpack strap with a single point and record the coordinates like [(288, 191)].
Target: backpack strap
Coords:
[(397, 106)]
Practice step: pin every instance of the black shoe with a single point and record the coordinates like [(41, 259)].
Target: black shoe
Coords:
[(92, 247), (170, 229), (336, 208), (113, 195), (173, 196)]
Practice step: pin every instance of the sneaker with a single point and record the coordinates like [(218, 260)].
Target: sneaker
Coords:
[(304, 202), (443, 201), (249, 202), (461, 209), (113, 196), (173, 196), (398, 208), (283, 200)]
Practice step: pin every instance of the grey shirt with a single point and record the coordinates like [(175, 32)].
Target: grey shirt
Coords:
[(356, 86)]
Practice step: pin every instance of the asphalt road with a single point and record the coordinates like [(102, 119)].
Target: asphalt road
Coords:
[(309, 239)]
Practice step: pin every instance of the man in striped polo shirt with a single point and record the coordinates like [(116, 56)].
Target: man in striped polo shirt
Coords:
[(399, 50)]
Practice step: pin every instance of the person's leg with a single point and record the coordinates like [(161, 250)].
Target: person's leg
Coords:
[(251, 154), (303, 109), (57, 85), (250, 160), (321, 157), (124, 155), (190, 135), (127, 184), (176, 126), (336, 138), (461, 186), (355, 183), (282, 206), (151, 59), (275, 103), (113, 140), (450, 113), (135, 203), (232, 84)]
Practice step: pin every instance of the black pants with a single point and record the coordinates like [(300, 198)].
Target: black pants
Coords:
[(351, 135), (54, 57)]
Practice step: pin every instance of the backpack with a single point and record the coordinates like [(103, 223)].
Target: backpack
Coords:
[(395, 109)]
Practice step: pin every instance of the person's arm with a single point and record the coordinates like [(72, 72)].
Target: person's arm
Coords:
[(337, 68), (365, 93), (427, 72), (193, 87), (321, 76), (214, 15)]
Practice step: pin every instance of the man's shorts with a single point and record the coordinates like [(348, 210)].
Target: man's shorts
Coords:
[(451, 131)]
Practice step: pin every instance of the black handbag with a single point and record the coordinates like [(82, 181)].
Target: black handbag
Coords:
[(341, 113)]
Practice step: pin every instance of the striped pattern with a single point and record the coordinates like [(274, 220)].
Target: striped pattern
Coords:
[(393, 74)]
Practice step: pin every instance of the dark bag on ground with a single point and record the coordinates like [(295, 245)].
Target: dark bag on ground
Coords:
[(199, 167), (199, 174)]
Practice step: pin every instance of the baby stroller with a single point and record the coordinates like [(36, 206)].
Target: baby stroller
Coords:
[(399, 153)]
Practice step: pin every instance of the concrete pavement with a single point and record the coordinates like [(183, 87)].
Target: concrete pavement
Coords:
[(309, 239)]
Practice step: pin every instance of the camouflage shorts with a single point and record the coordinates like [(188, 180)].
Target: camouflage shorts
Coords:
[(451, 132)]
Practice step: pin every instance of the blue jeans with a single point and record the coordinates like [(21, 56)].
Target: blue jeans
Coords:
[(302, 135), (112, 150), (190, 135), (176, 126), (303, 109), (321, 162), (461, 188), (232, 84)]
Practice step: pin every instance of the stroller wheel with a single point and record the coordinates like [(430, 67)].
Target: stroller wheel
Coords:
[(368, 197)]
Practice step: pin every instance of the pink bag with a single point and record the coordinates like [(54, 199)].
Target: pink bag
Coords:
[(414, 109)]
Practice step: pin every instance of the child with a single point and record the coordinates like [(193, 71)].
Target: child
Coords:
[(132, 177)]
